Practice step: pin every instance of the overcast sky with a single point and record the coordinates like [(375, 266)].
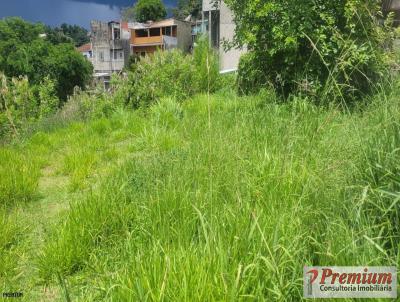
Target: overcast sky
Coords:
[(55, 12)]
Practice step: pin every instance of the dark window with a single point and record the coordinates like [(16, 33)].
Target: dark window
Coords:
[(117, 34), (215, 29), (143, 54), (115, 55), (141, 33), (101, 56), (121, 54), (154, 32)]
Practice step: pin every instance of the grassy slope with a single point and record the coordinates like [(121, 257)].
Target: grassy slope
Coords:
[(213, 200)]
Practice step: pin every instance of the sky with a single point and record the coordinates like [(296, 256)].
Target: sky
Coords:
[(56, 12)]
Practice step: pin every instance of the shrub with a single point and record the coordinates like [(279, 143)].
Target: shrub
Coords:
[(48, 101), (333, 48), (169, 74), (21, 104), (162, 74)]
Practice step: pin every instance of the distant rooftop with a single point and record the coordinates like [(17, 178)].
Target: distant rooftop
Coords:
[(85, 48)]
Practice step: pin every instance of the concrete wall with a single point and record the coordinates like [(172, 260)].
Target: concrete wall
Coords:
[(103, 59), (229, 60), (184, 35), (392, 4), (208, 5)]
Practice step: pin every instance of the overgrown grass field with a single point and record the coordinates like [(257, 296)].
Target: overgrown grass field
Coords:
[(218, 198)]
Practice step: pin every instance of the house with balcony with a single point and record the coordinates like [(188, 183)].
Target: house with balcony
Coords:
[(167, 34)]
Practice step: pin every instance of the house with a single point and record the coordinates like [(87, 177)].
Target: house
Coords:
[(86, 51), (109, 48), (111, 44), (219, 25), (146, 38)]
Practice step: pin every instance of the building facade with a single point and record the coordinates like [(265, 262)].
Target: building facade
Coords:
[(108, 50), (111, 44), (219, 25), (168, 34)]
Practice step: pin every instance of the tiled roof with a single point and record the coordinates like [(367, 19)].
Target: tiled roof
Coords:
[(85, 48)]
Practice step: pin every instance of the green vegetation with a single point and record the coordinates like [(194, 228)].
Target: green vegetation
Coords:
[(172, 187), (23, 52), (185, 8), (145, 10), (150, 78), (68, 33), (37, 74), (214, 199), (333, 50)]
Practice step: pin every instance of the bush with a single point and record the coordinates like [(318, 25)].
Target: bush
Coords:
[(323, 48), (169, 74), (163, 74), (21, 104)]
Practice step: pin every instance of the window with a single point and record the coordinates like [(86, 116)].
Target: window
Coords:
[(143, 54), (121, 55), (154, 32), (141, 33), (117, 34), (115, 55), (101, 56)]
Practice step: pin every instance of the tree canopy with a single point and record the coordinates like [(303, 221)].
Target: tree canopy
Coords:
[(68, 33), (304, 44), (24, 51), (187, 7), (145, 10)]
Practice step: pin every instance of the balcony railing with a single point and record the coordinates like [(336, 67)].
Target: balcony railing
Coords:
[(157, 40)]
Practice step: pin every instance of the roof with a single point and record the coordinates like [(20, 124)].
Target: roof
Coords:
[(85, 48), (157, 24), (166, 22)]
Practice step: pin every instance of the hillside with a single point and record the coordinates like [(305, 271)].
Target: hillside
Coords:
[(214, 199)]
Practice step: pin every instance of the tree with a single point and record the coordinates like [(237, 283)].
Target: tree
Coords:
[(23, 52), (188, 7), (128, 14), (149, 10), (68, 34), (317, 46)]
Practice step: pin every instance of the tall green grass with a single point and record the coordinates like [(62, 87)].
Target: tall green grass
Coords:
[(19, 174), (227, 198)]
